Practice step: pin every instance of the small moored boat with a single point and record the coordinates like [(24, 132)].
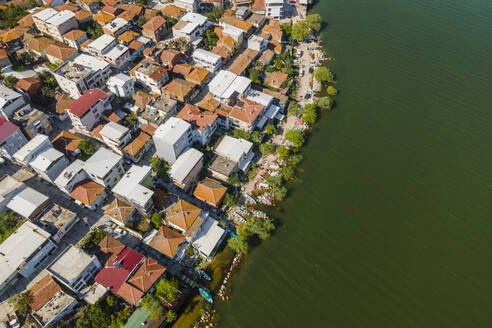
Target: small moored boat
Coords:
[(206, 295)]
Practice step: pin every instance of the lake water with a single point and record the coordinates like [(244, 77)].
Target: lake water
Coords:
[(392, 225)]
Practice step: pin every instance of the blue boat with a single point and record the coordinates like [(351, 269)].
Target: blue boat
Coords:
[(239, 217), (251, 199), (203, 274), (233, 235), (206, 295)]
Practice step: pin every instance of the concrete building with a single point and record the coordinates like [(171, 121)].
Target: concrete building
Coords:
[(208, 60), (118, 56), (115, 135), (188, 5), (10, 101), (227, 86), (88, 109), (102, 45), (32, 149), (22, 252), (33, 121), (75, 269), (158, 111), (49, 164), (155, 28), (275, 9), (28, 203), (9, 187), (134, 188), (257, 43), (172, 138), (71, 176), (191, 26), (204, 124), (186, 168), (105, 167), (55, 24), (153, 76), (116, 27), (237, 150), (58, 221), (121, 85), (208, 238), (11, 139)]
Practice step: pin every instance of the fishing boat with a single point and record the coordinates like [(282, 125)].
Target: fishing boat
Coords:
[(206, 295), (233, 235), (203, 274)]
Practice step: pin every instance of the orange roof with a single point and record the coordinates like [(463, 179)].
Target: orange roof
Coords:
[(178, 89), (3, 54), (27, 83), (173, 11), (112, 116), (95, 131), (86, 43), (87, 192), (38, 44), (127, 15), (136, 9), (154, 23), (170, 57), (42, 292), (147, 128), (276, 79), (110, 249), (63, 101), (103, 18), (210, 191), (208, 102), (148, 273), (127, 36), (66, 142), (129, 293), (61, 52), (67, 6), (223, 51), (82, 15), (197, 75), (149, 13), (141, 99), (248, 112), (182, 69), (13, 34), (135, 45), (74, 35), (258, 5), (26, 21), (200, 120), (137, 144), (266, 57), (274, 30), (243, 25), (183, 214), (111, 10), (167, 241), (242, 62), (119, 210)]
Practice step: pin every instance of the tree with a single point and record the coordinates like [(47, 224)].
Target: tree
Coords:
[(171, 316), (237, 133), (287, 172), (295, 159), (270, 129), (160, 167), (152, 304), (310, 114), (20, 302), (282, 152), (87, 147), (256, 136), (266, 148), (300, 31), (260, 227), (293, 108), (8, 224), (215, 14), (90, 241), (167, 289), (94, 30), (143, 2), (287, 28), (255, 75), (332, 91), (231, 199), (325, 103), (210, 39), (141, 21), (279, 193), (10, 81), (130, 120), (156, 220), (233, 180), (323, 74), (314, 22), (296, 137)]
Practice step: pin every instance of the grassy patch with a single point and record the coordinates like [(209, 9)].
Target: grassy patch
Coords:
[(219, 266), (191, 314)]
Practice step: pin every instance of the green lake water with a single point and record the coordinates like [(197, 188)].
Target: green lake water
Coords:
[(392, 225)]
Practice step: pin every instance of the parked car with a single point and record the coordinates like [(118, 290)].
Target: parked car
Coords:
[(299, 52)]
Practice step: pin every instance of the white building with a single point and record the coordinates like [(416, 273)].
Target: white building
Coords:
[(10, 101), (32, 149), (153, 76), (102, 45), (28, 203), (94, 64), (116, 27), (226, 85), (49, 164), (59, 221), (9, 187), (75, 268), (121, 85), (208, 238), (88, 109), (134, 188), (172, 138), (257, 43), (191, 26), (11, 139), (115, 135), (275, 8), (71, 175), (54, 23), (186, 168), (236, 150), (118, 56), (188, 5), (105, 167), (22, 252), (235, 32), (207, 60)]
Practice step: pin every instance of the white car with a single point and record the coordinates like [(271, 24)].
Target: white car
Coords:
[(299, 52)]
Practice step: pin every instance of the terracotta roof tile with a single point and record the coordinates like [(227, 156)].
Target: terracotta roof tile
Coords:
[(129, 293), (170, 57), (211, 192), (276, 79), (127, 36), (66, 142), (61, 52), (258, 5), (147, 128), (103, 18), (179, 89), (87, 192), (148, 273), (197, 75), (119, 210), (183, 214), (137, 144), (173, 11), (200, 120), (241, 63), (109, 249), (74, 35), (82, 15), (208, 102), (154, 23), (39, 44), (182, 69), (167, 241), (42, 292)]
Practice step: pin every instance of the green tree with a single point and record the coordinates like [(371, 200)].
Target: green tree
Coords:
[(87, 147), (167, 289), (10, 81), (260, 227), (152, 304), (296, 137), (94, 30), (255, 75), (323, 74), (20, 302), (8, 224), (215, 14), (310, 114), (295, 159), (156, 220), (282, 152), (287, 172), (332, 91), (160, 167), (143, 2), (120, 318), (90, 241), (256, 136), (141, 21), (266, 148), (314, 22), (231, 199), (270, 129), (131, 120), (287, 28), (237, 133), (293, 108), (233, 180), (171, 316), (300, 31), (210, 39), (279, 193), (325, 103)]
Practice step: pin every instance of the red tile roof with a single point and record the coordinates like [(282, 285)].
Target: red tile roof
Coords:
[(130, 293), (42, 292), (128, 259), (200, 120), (87, 192), (86, 101), (6, 129)]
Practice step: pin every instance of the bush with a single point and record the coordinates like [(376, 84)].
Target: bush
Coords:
[(323, 74), (10, 81), (91, 241), (237, 133), (215, 14), (8, 224), (266, 148), (152, 304), (310, 114), (282, 152), (20, 302), (156, 220), (270, 129), (296, 137), (332, 91), (325, 103), (167, 289), (293, 108), (87, 147)]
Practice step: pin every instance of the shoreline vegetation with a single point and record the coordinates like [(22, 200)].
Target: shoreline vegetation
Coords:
[(280, 148)]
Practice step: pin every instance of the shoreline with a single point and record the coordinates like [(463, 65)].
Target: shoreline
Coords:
[(210, 318)]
